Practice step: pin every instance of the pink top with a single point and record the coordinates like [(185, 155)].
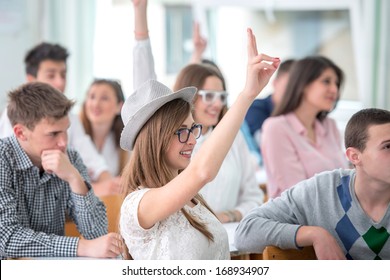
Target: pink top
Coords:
[(290, 157)]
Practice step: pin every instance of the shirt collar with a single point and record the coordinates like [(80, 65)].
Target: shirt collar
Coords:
[(299, 128), (22, 160)]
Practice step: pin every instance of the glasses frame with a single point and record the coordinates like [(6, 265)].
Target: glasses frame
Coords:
[(189, 130), (216, 94)]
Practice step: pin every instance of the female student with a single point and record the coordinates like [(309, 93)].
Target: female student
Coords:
[(100, 116), (163, 216), (300, 140), (234, 191)]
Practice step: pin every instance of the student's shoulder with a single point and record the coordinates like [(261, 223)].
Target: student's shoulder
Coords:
[(324, 184), (275, 123), (134, 197), (333, 178), (260, 103), (7, 148), (9, 155)]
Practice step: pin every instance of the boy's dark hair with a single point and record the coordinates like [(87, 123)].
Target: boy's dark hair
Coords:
[(356, 131), (32, 102), (41, 52)]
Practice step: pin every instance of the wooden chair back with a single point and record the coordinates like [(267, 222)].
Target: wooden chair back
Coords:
[(263, 187), (275, 253), (113, 205)]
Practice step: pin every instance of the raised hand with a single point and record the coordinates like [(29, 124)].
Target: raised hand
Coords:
[(200, 44), (260, 67), (141, 31)]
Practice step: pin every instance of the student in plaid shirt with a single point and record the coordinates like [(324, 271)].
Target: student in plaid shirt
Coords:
[(42, 181)]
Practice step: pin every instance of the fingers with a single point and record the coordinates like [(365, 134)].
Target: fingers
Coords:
[(196, 30), (115, 244), (253, 53), (252, 46)]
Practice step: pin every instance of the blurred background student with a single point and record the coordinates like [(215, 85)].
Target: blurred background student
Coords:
[(46, 63), (100, 116), (261, 109), (300, 140)]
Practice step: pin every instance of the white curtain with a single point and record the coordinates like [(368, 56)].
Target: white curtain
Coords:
[(382, 54), (71, 23), (377, 52)]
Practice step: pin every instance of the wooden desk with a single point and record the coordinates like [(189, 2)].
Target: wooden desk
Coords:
[(275, 253)]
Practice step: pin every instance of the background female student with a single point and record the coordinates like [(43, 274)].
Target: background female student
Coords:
[(300, 140), (163, 217), (100, 116), (234, 191)]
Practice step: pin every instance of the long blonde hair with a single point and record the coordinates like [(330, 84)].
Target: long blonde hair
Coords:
[(148, 166)]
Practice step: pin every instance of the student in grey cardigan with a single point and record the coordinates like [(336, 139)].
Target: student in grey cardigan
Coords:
[(343, 214)]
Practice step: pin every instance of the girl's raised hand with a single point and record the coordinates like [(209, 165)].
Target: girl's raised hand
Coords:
[(260, 67)]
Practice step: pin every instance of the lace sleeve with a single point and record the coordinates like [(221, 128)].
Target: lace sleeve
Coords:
[(136, 237)]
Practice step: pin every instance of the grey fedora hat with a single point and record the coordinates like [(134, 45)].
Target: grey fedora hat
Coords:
[(143, 103)]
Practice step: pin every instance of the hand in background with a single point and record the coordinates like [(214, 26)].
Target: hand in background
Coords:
[(109, 186), (260, 67), (200, 44)]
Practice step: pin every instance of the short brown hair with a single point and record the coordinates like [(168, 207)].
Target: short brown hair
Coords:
[(32, 102), (356, 131)]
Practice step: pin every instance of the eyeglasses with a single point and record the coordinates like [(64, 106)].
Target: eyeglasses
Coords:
[(210, 96), (184, 133)]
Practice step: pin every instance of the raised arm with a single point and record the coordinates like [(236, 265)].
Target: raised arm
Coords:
[(143, 62), (200, 44), (158, 203)]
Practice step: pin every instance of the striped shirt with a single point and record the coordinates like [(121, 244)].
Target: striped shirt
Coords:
[(33, 207)]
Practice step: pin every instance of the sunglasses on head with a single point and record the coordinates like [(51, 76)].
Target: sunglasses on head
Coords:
[(184, 133), (210, 96)]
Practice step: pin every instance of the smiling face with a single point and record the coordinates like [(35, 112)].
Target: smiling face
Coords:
[(208, 114), (48, 134), (323, 92), (178, 155), (102, 105), (51, 72)]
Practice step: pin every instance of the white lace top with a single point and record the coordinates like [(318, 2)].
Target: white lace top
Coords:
[(174, 237)]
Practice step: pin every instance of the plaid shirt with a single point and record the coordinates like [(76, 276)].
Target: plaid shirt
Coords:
[(33, 207)]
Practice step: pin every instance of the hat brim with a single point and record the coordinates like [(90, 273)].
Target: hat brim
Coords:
[(130, 132)]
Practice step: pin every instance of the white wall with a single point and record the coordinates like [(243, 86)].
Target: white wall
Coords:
[(19, 29)]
